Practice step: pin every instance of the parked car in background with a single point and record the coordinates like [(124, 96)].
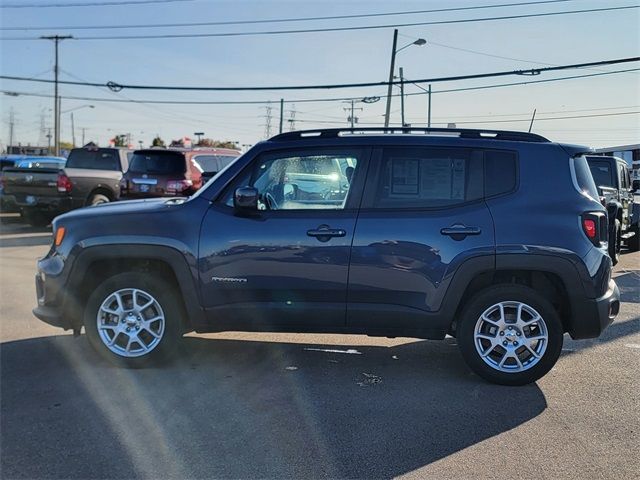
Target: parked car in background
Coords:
[(159, 172), (211, 161), (612, 178), (446, 232), (7, 202), (91, 176)]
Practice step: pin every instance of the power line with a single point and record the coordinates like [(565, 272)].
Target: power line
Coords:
[(84, 4), (491, 121), (338, 29), (305, 100), (285, 20), (116, 87)]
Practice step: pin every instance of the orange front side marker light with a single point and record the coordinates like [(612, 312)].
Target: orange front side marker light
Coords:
[(59, 236)]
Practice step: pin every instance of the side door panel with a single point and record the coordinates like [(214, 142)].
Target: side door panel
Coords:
[(276, 269), (403, 258)]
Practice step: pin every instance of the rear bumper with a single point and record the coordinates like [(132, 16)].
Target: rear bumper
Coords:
[(592, 316), (52, 204)]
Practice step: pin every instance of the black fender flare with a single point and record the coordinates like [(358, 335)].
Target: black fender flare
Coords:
[(185, 275), (564, 268)]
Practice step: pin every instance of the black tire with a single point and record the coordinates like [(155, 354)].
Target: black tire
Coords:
[(163, 293), (97, 199), (36, 218), (634, 242), (491, 296), (615, 241)]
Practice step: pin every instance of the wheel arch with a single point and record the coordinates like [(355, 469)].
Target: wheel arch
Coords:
[(554, 277), (95, 264)]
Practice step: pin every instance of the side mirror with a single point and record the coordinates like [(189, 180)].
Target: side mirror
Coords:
[(245, 199)]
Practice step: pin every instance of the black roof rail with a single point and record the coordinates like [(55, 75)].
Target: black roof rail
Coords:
[(461, 133)]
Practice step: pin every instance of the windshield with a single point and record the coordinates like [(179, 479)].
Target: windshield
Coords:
[(95, 159), (157, 162)]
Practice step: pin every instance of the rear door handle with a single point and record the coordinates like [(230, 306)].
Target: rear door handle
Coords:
[(460, 231), (324, 232)]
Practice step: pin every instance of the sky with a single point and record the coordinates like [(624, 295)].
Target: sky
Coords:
[(605, 109)]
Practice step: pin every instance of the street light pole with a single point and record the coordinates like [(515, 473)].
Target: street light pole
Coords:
[(429, 112), (56, 103), (391, 68)]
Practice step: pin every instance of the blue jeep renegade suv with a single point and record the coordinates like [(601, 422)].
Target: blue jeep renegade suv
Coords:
[(494, 237)]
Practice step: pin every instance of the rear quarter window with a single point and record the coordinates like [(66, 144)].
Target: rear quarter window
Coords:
[(500, 172)]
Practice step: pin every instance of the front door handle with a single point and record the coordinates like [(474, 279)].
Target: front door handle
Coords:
[(458, 232), (325, 232)]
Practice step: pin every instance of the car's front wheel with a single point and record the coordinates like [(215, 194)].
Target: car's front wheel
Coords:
[(132, 319), (510, 334)]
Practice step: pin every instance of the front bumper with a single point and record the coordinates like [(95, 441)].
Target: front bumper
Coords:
[(49, 293), (592, 316)]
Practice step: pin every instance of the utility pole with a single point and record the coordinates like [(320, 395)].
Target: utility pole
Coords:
[(402, 97), (73, 132), (352, 118), (12, 122), (83, 130), (393, 65), (429, 112), (49, 142), (267, 121), (281, 113), (292, 118), (56, 103)]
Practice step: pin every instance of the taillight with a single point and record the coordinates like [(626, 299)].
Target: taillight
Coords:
[(594, 226), (590, 227), (64, 183), (178, 186)]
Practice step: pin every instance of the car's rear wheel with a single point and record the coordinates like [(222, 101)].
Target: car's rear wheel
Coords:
[(133, 319), (98, 199), (510, 334)]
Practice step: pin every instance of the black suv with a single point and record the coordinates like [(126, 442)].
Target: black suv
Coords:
[(611, 176), (496, 238)]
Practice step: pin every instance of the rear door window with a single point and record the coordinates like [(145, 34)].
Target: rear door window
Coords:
[(428, 177), (158, 163), (94, 159)]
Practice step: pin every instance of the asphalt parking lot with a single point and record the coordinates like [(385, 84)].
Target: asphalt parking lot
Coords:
[(306, 406)]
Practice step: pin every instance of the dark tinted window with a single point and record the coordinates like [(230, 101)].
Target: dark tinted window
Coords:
[(157, 162), (98, 159), (584, 179), (601, 172), (500, 172), (428, 177)]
